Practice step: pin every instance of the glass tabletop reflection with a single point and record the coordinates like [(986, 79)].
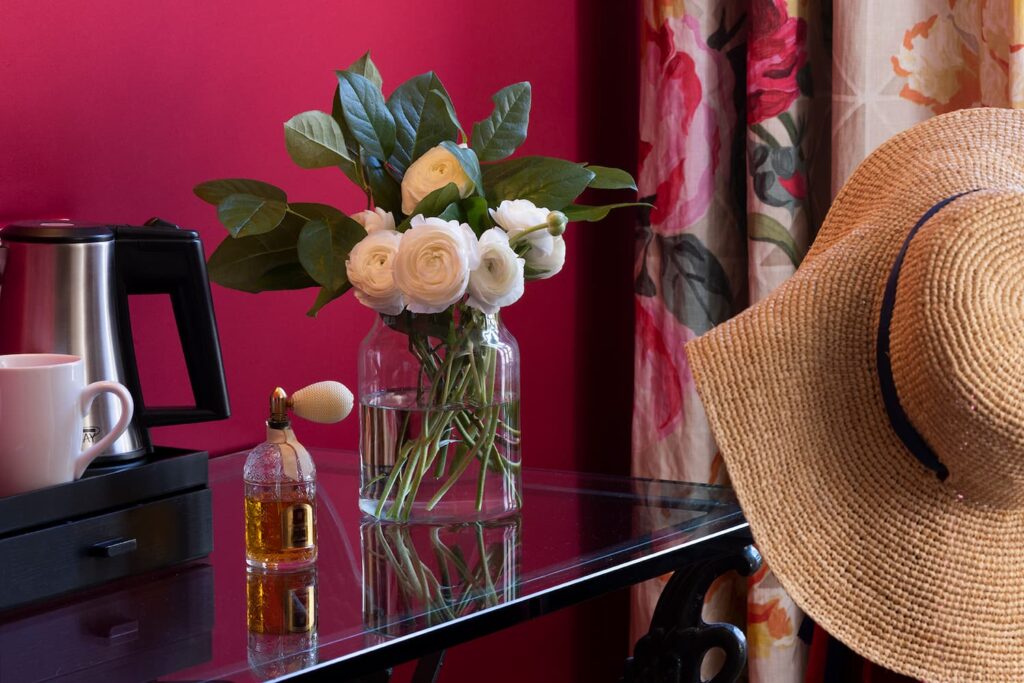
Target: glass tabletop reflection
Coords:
[(375, 586)]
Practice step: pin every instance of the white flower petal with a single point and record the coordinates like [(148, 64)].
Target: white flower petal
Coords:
[(432, 264), (433, 170), (546, 265), (499, 280), (370, 269)]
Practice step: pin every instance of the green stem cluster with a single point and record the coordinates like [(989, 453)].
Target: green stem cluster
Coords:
[(463, 421)]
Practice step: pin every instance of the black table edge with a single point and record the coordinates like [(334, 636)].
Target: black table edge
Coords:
[(400, 649)]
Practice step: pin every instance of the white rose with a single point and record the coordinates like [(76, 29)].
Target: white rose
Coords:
[(434, 262), (370, 267), (517, 215), (435, 169), (377, 219), (543, 266), (499, 280)]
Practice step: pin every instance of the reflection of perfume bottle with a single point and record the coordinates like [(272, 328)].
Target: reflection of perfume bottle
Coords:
[(280, 480), (281, 612)]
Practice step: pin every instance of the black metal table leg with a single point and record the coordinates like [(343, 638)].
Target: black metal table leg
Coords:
[(678, 639), (428, 669)]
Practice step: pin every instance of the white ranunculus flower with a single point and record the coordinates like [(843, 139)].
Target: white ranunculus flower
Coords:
[(370, 267), (435, 169), (543, 266), (434, 262), (517, 215), (499, 280), (377, 219)]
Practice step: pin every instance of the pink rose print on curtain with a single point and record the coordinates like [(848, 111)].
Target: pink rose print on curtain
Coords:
[(686, 127), (776, 53)]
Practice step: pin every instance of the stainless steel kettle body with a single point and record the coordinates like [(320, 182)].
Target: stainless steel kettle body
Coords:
[(57, 298), (64, 288)]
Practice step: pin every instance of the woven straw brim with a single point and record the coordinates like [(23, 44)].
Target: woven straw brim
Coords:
[(867, 540)]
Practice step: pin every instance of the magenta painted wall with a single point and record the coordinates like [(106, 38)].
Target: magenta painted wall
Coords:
[(112, 110)]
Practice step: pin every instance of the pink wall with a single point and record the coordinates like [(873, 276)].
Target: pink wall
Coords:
[(112, 110)]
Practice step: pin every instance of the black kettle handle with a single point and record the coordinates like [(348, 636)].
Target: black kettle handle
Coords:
[(161, 258)]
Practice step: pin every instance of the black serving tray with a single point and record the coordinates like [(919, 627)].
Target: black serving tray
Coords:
[(105, 526), (167, 471)]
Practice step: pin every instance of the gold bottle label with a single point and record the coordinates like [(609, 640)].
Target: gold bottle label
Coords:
[(297, 526), (300, 609)]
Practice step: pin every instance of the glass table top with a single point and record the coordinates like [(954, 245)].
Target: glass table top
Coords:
[(377, 588)]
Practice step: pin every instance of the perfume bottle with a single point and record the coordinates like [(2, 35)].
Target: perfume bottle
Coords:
[(280, 480)]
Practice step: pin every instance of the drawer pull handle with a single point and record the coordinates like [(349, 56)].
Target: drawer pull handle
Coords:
[(114, 547), (123, 630)]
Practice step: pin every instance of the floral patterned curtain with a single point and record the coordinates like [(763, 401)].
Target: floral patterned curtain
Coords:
[(752, 115)]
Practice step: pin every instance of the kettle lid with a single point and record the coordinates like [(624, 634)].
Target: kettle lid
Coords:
[(60, 231)]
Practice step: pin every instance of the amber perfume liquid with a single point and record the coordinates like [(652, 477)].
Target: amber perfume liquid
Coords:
[(280, 525), (281, 614)]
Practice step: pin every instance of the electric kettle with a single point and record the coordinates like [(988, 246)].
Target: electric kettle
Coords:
[(64, 288)]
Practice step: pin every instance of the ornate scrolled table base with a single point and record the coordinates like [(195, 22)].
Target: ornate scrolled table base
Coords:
[(678, 639)]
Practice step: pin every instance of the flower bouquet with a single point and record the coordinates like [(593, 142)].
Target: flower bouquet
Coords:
[(451, 232)]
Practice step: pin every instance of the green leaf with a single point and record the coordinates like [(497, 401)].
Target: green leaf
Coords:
[(607, 178), (324, 297), (497, 136), (451, 213), (366, 114), (764, 228), (580, 212), (262, 262), (246, 214), (545, 181), (421, 118), (365, 67), (477, 215), (313, 211), (450, 108), (387, 193), (315, 140), (693, 283), (762, 132), (433, 204), (216, 191), (324, 248), (470, 164)]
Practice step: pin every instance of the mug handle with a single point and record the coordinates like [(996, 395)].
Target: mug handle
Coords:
[(89, 394)]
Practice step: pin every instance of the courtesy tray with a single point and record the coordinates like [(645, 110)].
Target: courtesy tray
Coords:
[(105, 526)]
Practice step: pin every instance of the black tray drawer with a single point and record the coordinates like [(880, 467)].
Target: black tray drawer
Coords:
[(92, 550)]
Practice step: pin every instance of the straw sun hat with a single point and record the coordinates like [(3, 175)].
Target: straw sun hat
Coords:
[(871, 410)]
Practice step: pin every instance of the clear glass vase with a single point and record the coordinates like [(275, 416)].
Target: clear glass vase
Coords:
[(439, 418)]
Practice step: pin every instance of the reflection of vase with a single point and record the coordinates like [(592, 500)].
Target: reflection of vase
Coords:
[(281, 613), (417, 575)]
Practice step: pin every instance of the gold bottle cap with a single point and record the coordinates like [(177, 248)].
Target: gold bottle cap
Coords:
[(279, 407)]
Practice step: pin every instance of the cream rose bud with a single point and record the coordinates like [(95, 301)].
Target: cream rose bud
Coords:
[(377, 219), (499, 280), (433, 263), (517, 215), (435, 169), (543, 266), (370, 267)]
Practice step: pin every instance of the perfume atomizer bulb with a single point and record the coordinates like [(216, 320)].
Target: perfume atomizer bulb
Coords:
[(325, 402)]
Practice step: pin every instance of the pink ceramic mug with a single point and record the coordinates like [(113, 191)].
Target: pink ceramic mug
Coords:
[(43, 400)]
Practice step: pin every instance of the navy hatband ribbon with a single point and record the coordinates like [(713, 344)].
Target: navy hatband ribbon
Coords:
[(898, 419)]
